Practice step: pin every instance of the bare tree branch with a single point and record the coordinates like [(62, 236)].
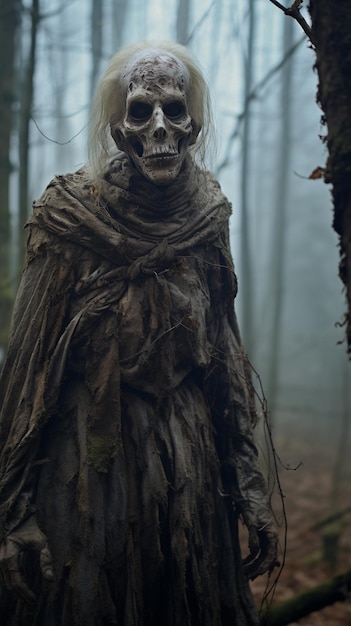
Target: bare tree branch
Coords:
[(294, 12), (251, 96), (199, 23), (59, 143)]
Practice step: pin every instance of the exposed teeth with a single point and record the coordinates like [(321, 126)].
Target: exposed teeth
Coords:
[(161, 151)]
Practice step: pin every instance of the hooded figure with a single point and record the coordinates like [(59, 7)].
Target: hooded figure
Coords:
[(127, 408)]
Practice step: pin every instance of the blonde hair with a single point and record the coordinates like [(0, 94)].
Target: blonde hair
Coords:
[(108, 106)]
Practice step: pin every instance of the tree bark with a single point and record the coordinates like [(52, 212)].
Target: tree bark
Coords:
[(331, 30)]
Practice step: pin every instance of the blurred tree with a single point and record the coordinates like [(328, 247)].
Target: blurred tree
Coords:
[(215, 40), (60, 58), (96, 39), (25, 114), (245, 239), (279, 220), (332, 531), (119, 14), (10, 17), (183, 16)]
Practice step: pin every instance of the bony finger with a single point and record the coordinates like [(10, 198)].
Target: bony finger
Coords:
[(266, 561), (251, 570), (269, 546), (248, 559), (46, 563), (258, 566), (261, 566)]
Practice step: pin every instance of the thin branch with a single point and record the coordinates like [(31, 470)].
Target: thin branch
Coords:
[(199, 23), (294, 12), (59, 143), (251, 96)]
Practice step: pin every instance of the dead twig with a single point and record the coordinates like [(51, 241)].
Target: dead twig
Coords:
[(294, 12)]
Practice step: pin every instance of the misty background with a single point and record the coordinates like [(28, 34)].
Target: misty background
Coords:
[(259, 66)]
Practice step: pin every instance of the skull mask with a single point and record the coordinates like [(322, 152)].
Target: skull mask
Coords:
[(157, 129)]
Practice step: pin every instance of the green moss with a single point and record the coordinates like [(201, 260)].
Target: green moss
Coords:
[(283, 613)]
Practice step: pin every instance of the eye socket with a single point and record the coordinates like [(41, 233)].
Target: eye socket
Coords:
[(140, 110), (175, 109)]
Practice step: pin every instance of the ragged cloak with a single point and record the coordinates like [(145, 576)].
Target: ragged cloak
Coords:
[(127, 406)]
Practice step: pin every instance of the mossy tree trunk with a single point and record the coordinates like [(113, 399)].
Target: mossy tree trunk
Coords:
[(290, 611), (331, 30)]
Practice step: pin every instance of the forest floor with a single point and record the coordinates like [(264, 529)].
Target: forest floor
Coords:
[(307, 486)]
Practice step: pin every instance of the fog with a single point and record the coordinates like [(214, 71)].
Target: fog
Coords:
[(264, 104)]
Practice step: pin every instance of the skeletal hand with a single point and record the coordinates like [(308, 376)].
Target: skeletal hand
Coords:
[(263, 545), (28, 536)]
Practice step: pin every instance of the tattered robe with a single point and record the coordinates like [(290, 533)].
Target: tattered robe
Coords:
[(127, 407)]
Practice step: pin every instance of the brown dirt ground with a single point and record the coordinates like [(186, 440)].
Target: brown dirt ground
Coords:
[(307, 490)]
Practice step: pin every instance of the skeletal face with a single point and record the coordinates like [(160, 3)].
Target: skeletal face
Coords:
[(157, 128)]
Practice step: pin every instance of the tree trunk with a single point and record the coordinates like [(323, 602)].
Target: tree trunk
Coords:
[(24, 126), (96, 38), (245, 243), (119, 14), (183, 12), (331, 29), (10, 13), (279, 225)]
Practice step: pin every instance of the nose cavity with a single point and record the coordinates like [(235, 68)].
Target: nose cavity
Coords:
[(160, 132), (159, 126)]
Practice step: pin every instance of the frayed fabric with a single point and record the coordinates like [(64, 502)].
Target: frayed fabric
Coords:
[(126, 401)]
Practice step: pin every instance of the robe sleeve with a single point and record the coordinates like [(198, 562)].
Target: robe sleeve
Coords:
[(231, 395), (31, 371)]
